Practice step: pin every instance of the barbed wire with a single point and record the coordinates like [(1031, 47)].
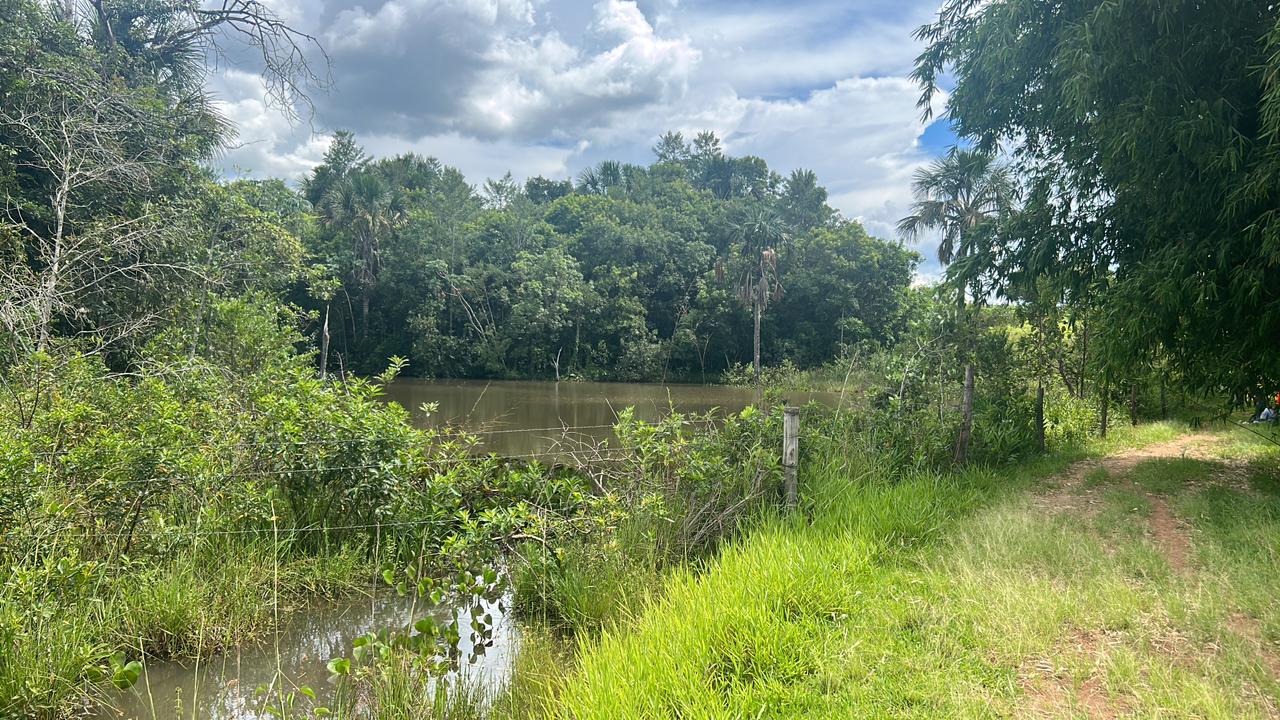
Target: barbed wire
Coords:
[(272, 530), (448, 432), (601, 453)]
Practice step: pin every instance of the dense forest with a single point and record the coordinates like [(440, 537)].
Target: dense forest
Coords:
[(195, 438), (627, 273)]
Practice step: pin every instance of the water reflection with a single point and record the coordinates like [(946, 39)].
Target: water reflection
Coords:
[(524, 417), (226, 687)]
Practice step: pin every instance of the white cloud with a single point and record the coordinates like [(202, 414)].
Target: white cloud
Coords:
[(268, 144), (479, 159), (550, 86)]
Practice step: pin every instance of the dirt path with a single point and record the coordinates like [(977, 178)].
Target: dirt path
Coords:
[(1068, 493), (1049, 693)]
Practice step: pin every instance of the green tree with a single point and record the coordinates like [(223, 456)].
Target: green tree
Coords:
[(758, 232), (1148, 135), (367, 210), (548, 296), (961, 196)]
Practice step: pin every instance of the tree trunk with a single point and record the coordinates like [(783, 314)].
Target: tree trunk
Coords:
[(942, 392), (364, 316), (1133, 404), (324, 344), (1084, 358), (1066, 377), (756, 342), (1040, 415), (966, 417), (1106, 387), (1164, 403)]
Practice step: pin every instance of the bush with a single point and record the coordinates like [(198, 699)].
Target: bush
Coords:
[(672, 492)]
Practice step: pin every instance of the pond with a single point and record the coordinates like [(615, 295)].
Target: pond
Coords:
[(522, 418), (514, 419), (227, 686)]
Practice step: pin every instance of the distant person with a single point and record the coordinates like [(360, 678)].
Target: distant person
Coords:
[(1267, 415)]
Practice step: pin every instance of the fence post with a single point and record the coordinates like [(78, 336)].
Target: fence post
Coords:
[(790, 454)]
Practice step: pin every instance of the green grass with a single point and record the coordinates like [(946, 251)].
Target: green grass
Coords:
[(953, 596), (54, 626)]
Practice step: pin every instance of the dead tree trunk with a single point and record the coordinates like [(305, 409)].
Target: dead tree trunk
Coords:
[(756, 343)]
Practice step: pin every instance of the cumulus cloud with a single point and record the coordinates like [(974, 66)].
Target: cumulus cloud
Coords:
[(550, 86)]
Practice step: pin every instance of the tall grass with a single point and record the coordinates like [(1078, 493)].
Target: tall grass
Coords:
[(59, 621), (940, 595)]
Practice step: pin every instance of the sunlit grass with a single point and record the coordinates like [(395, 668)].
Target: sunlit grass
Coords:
[(954, 596)]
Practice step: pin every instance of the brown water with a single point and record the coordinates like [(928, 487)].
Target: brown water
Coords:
[(520, 418), (228, 687), (514, 419)]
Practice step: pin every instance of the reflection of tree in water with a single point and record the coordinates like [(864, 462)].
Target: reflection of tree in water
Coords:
[(227, 687)]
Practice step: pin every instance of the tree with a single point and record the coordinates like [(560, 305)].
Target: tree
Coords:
[(1148, 134), (548, 296), (804, 201), (342, 158), (367, 210), (758, 231), (672, 148), (83, 144), (844, 288), (961, 196)]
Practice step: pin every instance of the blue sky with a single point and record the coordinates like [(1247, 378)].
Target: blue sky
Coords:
[(548, 87)]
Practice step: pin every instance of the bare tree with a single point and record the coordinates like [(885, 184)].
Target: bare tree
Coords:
[(78, 143)]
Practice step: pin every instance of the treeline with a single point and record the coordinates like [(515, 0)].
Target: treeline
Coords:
[(629, 273)]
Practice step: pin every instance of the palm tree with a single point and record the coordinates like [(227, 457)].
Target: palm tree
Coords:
[(759, 231), (957, 195), (362, 205)]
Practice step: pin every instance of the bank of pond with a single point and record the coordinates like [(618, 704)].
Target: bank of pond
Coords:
[(303, 663), (310, 547)]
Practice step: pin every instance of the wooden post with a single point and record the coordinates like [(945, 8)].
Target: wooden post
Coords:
[(791, 454)]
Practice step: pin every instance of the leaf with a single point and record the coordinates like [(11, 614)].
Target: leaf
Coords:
[(339, 666)]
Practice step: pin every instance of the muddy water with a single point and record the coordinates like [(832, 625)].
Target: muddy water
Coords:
[(522, 417), (226, 687), (514, 419)]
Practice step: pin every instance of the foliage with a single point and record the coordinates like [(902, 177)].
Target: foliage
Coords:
[(630, 275), (1145, 134), (670, 494)]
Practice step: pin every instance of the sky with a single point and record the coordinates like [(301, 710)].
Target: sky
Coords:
[(549, 87)]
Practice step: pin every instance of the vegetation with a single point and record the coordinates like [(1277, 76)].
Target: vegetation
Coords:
[(1144, 136), (632, 273), (195, 442), (955, 596)]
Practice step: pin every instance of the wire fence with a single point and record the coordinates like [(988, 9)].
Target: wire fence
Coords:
[(478, 433), (572, 445)]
